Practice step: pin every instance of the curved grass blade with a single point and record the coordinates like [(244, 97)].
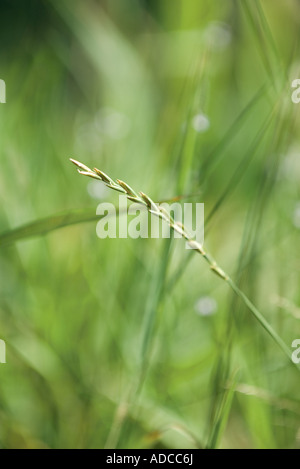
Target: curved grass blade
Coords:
[(46, 225)]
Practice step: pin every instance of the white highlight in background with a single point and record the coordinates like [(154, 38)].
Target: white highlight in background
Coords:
[(296, 94)]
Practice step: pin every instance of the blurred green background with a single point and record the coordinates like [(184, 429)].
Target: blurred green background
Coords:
[(123, 343)]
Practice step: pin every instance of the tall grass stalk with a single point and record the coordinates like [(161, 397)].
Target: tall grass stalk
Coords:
[(158, 211)]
